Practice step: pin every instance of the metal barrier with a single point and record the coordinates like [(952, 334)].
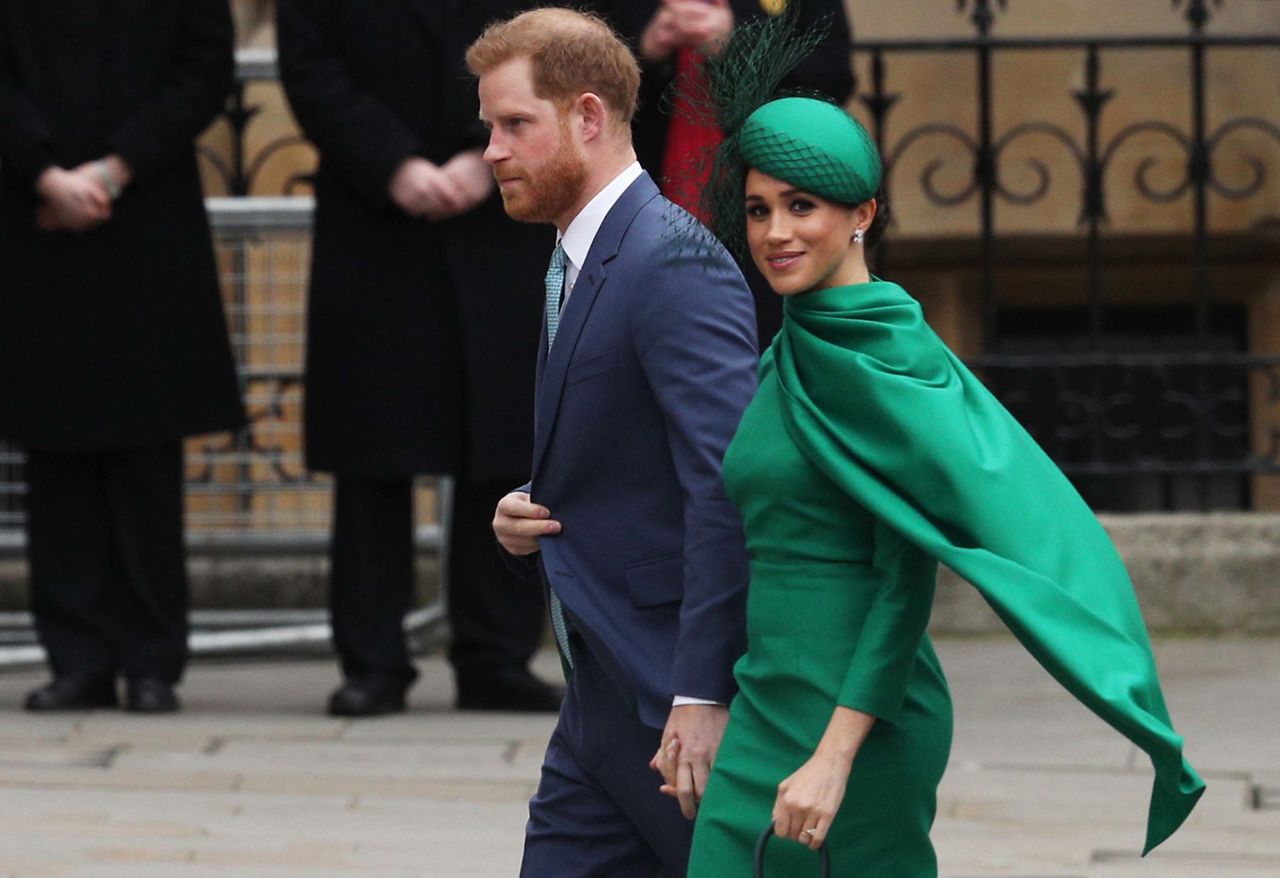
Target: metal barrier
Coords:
[(250, 494)]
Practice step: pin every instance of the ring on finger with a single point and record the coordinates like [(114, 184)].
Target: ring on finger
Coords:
[(811, 831)]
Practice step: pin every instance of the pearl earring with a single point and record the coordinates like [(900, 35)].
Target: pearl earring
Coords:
[(859, 235)]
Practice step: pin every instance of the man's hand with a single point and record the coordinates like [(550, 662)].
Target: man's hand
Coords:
[(115, 168), (518, 523), (472, 176), (422, 189), (73, 201), (689, 745)]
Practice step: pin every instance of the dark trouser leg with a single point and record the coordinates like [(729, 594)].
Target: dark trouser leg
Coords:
[(371, 576), (597, 810), (496, 618), (69, 549), (149, 575), (108, 573)]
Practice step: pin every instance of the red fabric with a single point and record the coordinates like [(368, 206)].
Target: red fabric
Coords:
[(686, 162)]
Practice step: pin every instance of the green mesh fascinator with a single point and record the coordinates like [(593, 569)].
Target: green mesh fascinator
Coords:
[(803, 139)]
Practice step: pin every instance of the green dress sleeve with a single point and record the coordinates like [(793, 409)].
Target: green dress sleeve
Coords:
[(876, 682), (874, 398)]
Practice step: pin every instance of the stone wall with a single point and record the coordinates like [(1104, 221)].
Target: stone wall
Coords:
[(1198, 574)]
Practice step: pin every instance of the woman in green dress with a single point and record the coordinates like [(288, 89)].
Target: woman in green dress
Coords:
[(869, 455)]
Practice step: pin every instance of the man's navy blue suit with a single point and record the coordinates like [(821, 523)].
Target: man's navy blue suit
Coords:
[(652, 366)]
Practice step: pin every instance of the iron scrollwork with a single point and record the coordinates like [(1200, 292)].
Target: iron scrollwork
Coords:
[(1185, 411)]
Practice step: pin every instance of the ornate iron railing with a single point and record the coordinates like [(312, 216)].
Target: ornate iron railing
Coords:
[(1193, 416)]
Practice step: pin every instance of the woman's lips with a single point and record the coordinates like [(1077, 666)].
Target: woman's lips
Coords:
[(783, 261)]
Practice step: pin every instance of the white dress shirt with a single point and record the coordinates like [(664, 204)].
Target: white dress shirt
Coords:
[(577, 240), (581, 234)]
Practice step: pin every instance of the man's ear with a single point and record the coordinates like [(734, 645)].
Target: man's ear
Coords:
[(593, 113)]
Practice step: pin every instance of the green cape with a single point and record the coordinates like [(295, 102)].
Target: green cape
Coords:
[(908, 432)]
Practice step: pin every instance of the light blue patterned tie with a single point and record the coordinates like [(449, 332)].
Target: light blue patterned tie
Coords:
[(555, 288)]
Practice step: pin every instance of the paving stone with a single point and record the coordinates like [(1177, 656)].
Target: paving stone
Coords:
[(457, 790), (253, 781), (74, 778), (197, 728)]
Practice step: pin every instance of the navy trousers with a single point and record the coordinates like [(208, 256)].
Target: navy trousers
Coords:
[(597, 812)]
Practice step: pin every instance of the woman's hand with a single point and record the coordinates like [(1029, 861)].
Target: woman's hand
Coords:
[(809, 799)]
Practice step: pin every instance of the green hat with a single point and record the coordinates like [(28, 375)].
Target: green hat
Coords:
[(815, 146)]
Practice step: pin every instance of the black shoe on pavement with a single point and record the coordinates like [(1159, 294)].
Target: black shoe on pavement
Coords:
[(73, 693), (367, 696), (514, 690), (148, 695)]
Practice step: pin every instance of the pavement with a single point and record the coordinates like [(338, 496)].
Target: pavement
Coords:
[(252, 780)]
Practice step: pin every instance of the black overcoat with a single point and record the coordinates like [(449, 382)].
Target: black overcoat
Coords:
[(421, 336), (113, 337)]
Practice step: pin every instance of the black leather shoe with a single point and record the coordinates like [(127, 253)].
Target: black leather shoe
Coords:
[(73, 693), (147, 695), (508, 689), (367, 696)]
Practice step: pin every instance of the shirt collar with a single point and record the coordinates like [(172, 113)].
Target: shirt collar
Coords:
[(578, 238)]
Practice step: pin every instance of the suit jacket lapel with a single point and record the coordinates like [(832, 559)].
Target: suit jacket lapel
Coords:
[(554, 364)]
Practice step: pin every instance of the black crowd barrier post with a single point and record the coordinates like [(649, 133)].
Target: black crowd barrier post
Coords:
[(878, 104), (239, 115), (985, 171), (1092, 98), (1199, 173)]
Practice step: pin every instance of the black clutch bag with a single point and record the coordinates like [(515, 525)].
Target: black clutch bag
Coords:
[(823, 855)]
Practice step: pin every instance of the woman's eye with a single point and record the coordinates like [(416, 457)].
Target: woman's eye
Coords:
[(801, 205), (755, 211)]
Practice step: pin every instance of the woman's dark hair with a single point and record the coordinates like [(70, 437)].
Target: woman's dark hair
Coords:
[(875, 231)]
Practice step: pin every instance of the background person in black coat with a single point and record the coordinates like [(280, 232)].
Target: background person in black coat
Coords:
[(113, 344), (659, 29), (424, 317)]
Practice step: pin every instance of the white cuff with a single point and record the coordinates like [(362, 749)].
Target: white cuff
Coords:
[(682, 700)]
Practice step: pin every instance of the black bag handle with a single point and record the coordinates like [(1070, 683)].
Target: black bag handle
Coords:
[(763, 843)]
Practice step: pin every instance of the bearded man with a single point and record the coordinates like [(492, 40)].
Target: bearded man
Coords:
[(646, 362)]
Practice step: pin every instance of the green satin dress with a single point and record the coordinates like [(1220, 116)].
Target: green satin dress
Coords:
[(869, 454)]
